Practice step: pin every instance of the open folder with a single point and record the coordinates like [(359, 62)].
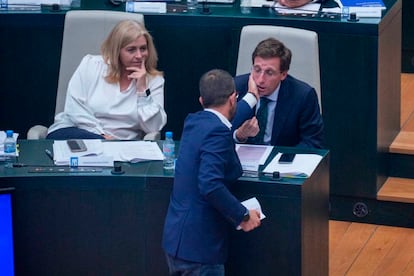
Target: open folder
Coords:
[(252, 156)]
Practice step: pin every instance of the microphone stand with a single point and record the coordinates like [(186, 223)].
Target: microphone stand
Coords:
[(205, 9)]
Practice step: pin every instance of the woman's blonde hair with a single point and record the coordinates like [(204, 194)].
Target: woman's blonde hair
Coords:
[(121, 35)]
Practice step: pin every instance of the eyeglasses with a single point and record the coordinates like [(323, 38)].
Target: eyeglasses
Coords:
[(269, 72)]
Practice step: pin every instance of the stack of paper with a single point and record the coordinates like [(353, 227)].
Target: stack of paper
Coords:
[(251, 156), (310, 8), (307, 8), (133, 151), (362, 8), (146, 7), (302, 166), (100, 153), (93, 156), (35, 4)]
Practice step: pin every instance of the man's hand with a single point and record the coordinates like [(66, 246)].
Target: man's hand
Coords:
[(252, 223), (294, 3), (249, 128), (253, 87), (108, 137)]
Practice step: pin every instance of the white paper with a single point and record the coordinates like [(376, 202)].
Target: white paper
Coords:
[(302, 166), (133, 151), (101, 153), (150, 7), (251, 156), (309, 8), (361, 11), (96, 161), (94, 153), (27, 3), (253, 204)]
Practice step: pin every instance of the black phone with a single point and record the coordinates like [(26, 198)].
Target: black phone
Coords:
[(286, 158), (76, 145)]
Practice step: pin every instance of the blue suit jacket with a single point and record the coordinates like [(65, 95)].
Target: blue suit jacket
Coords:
[(201, 208), (297, 122)]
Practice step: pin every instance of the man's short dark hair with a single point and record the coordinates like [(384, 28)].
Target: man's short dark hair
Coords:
[(215, 87), (270, 48)]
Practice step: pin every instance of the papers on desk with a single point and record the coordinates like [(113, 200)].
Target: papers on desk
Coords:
[(302, 166), (146, 7), (35, 4), (102, 154), (93, 156), (362, 8), (133, 151), (253, 204), (310, 8), (251, 156)]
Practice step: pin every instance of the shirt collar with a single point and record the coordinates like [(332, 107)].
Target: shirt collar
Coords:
[(220, 116), (273, 97)]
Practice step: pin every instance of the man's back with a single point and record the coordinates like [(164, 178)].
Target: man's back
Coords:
[(206, 160)]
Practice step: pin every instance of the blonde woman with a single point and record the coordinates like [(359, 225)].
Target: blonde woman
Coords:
[(116, 95)]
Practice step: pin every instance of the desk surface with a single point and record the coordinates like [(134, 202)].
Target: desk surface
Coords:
[(358, 63), (32, 155), (77, 224)]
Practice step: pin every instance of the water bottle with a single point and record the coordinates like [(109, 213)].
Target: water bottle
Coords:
[(245, 6), (168, 148), (192, 5), (9, 149), (4, 4)]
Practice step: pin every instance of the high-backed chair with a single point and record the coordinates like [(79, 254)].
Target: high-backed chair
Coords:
[(302, 43), (84, 31)]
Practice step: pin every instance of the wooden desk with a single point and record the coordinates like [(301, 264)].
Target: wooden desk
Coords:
[(102, 224)]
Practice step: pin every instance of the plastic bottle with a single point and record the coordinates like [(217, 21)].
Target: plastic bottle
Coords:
[(168, 148), (9, 149), (4, 4), (192, 5), (245, 6)]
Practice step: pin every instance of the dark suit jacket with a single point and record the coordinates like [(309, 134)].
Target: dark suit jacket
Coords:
[(297, 122), (201, 208)]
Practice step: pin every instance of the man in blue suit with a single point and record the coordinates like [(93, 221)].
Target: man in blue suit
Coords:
[(292, 117), (202, 209)]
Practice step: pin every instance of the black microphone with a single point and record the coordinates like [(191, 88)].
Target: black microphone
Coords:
[(205, 9), (116, 2)]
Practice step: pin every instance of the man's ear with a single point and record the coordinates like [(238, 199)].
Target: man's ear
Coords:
[(283, 75), (201, 101)]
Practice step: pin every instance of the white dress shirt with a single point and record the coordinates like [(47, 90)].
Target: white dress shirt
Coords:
[(100, 107)]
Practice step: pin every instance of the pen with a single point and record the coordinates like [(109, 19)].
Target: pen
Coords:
[(49, 153)]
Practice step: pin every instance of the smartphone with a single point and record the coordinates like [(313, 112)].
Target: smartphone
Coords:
[(76, 145), (286, 158)]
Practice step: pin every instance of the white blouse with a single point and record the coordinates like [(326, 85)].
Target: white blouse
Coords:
[(100, 107)]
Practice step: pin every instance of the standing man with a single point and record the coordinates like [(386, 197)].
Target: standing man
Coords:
[(202, 209), (276, 108)]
